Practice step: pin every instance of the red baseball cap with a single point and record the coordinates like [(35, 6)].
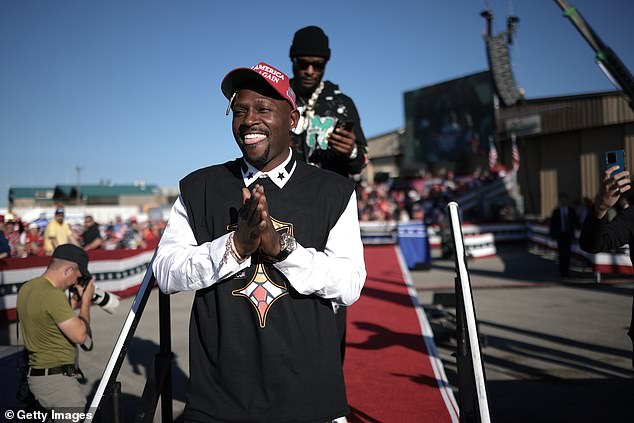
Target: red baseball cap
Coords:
[(277, 79)]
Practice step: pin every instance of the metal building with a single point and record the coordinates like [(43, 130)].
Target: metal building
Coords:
[(562, 141)]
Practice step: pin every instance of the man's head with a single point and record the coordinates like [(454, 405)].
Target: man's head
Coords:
[(309, 54), (89, 221), (59, 215), (563, 200), (9, 226), (264, 113), (68, 263)]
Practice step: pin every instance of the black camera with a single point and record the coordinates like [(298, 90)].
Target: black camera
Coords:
[(83, 281), (104, 299)]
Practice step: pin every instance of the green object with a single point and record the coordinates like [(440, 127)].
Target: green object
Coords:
[(571, 11), (320, 128), (41, 307)]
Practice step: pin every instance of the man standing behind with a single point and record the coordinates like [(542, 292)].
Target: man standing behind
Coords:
[(91, 237), (58, 232), (328, 133), (563, 222), (51, 329), (267, 242), (322, 106)]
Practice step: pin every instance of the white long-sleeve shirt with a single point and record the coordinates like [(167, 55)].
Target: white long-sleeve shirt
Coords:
[(338, 273)]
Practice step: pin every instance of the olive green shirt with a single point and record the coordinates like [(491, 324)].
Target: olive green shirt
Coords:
[(41, 306)]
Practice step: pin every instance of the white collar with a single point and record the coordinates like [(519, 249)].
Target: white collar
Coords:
[(279, 176)]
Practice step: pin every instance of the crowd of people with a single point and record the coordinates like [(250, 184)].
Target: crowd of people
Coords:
[(21, 239), (390, 201), (422, 198), (394, 200)]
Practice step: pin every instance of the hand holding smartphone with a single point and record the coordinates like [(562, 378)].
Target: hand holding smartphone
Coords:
[(615, 158), (343, 142), (346, 125)]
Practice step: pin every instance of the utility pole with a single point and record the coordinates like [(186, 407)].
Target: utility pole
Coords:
[(78, 199)]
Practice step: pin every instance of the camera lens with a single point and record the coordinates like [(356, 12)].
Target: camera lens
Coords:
[(106, 300)]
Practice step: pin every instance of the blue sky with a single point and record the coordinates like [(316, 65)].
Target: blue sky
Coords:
[(130, 90)]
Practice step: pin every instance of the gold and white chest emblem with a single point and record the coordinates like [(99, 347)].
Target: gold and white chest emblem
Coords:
[(261, 291)]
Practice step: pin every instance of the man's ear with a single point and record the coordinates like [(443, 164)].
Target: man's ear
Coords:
[(67, 270), (294, 118)]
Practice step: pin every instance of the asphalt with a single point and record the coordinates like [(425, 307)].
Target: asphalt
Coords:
[(553, 350)]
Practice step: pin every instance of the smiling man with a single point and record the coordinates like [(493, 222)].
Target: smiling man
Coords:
[(267, 243)]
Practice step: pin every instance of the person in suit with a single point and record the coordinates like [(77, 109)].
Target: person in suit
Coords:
[(563, 223)]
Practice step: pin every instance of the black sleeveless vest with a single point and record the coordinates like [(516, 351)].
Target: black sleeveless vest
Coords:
[(260, 351)]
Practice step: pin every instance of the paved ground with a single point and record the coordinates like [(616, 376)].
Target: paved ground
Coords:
[(139, 361), (554, 351)]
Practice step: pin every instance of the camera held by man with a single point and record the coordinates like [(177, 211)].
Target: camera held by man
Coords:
[(108, 301)]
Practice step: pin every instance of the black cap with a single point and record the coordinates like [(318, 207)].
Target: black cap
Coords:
[(75, 254), (310, 41)]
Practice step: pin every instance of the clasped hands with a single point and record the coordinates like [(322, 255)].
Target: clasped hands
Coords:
[(255, 228)]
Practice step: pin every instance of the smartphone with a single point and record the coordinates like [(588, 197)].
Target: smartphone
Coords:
[(615, 158), (346, 125)]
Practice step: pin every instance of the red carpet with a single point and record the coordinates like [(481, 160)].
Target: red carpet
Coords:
[(392, 374)]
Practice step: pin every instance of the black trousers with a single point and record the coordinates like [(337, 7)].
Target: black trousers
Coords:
[(564, 241)]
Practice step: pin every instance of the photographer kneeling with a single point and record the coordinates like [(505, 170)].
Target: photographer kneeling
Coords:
[(51, 329)]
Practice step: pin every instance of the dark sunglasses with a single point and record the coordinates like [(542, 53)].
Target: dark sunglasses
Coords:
[(319, 66)]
